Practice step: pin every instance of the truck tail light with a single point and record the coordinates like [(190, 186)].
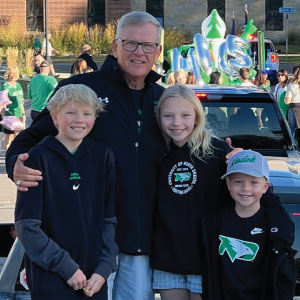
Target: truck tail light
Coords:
[(201, 96)]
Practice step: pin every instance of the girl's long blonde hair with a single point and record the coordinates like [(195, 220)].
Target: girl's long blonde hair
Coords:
[(199, 141)]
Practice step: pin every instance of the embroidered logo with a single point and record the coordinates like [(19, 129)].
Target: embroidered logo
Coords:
[(274, 229), (246, 159), (256, 231), (75, 187), (104, 100), (182, 177), (238, 249), (74, 176)]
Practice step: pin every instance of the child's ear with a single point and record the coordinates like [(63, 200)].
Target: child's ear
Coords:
[(267, 184), (54, 119), (227, 181)]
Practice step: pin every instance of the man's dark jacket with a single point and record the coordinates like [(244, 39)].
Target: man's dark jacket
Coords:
[(137, 156)]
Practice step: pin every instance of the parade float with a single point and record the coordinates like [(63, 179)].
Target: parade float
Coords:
[(213, 50)]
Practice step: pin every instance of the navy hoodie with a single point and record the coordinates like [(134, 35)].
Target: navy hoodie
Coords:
[(67, 221)]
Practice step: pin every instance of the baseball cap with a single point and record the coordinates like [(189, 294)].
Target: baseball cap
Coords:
[(45, 63), (248, 162), (86, 47)]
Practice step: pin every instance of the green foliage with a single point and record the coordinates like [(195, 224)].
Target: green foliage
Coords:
[(25, 42), (174, 38), (93, 38), (13, 57), (10, 34), (70, 39), (75, 37), (108, 37), (59, 39)]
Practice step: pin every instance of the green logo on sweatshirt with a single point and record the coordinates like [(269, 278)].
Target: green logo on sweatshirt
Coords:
[(237, 249), (182, 176), (74, 176)]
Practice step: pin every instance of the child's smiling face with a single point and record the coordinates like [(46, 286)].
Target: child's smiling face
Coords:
[(246, 190), (74, 121), (178, 119)]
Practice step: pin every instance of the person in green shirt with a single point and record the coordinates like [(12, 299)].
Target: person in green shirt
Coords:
[(40, 89), (37, 45), (16, 108)]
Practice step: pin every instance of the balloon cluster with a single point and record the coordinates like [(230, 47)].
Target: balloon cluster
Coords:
[(210, 51)]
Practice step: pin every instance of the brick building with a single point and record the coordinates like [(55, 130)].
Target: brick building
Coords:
[(183, 14)]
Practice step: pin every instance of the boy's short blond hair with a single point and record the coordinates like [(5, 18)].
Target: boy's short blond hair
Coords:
[(79, 93)]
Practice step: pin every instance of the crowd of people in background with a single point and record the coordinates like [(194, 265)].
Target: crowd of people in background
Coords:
[(286, 92), (286, 98), (40, 87)]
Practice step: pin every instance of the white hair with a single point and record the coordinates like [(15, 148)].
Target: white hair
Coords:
[(137, 18)]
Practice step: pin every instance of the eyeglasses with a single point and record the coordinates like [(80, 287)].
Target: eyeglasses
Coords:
[(131, 46), (280, 74)]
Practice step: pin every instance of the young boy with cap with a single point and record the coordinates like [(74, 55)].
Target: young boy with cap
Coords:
[(248, 246)]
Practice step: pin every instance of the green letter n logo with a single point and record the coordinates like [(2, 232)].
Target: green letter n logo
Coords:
[(237, 249), (182, 176)]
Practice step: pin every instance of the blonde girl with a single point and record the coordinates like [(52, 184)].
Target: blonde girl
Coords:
[(189, 189), (16, 108)]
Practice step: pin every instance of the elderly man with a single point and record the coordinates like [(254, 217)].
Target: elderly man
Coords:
[(127, 86)]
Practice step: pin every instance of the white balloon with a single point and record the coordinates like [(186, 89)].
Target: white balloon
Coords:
[(233, 55), (203, 55)]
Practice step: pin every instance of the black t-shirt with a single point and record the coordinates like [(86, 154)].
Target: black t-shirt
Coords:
[(242, 250)]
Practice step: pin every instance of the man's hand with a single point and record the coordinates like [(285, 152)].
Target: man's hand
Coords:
[(25, 177), (77, 281), (234, 150), (94, 285)]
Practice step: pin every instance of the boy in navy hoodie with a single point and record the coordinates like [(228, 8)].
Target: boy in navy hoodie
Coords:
[(67, 223), (249, 254)]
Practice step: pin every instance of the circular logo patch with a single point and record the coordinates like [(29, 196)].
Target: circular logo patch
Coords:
[(182, 177)]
